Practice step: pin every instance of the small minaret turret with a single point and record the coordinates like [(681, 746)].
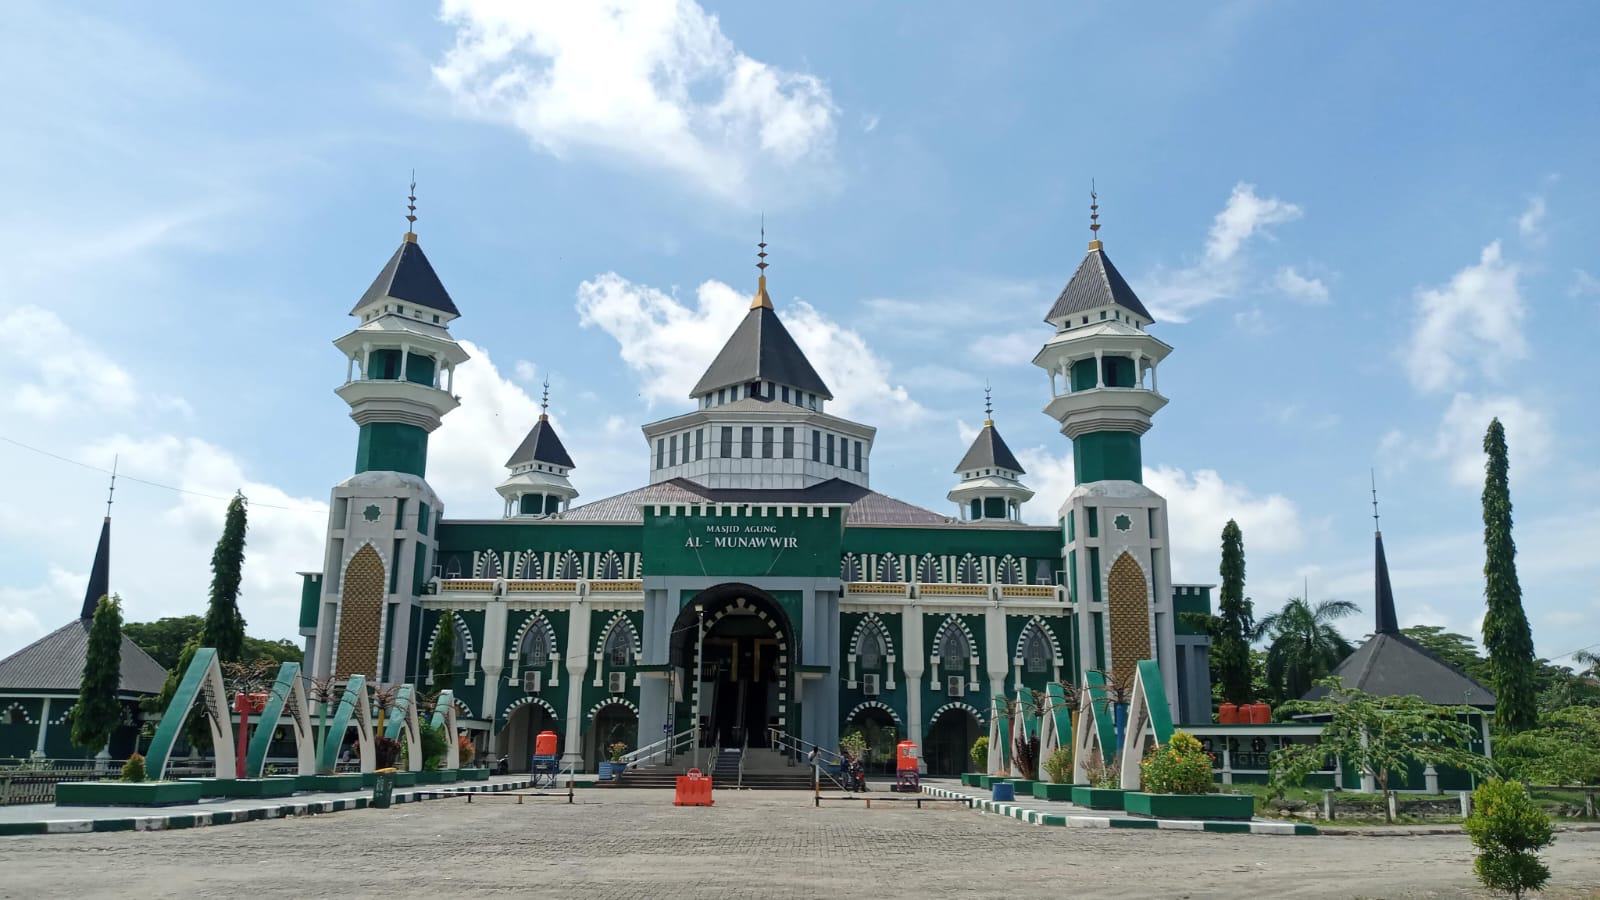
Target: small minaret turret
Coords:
[(989, 489), (538, 485)]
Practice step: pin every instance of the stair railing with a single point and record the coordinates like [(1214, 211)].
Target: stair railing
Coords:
[(660, 750), (801, 748), (743, 750)]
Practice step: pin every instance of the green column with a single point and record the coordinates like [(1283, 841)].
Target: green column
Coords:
[(392, 447)]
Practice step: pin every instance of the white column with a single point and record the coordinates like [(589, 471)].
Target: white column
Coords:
[(405, 355), (451, 389), (577, 664), (1153, 386), (44, 723), (492, 657), (1099, 369), (911, 652), (350, 369), (1138, 377)]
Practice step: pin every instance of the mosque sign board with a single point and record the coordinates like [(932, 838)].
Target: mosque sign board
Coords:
[(745, 540)]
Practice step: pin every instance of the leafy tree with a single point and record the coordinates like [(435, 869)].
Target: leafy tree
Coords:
[(1563, 749), (435, 744), (195, 730), (133, 770), (1380, 737), (1456, 649), (443, 657), (164, 638), (97, 713), (224, 625), (1509, 830), (1230, 641), (979, 754), (1505, 626), (1590, 662), (1303, 645)]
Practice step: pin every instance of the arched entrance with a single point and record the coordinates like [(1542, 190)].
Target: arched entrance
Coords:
[(743, 685), (523, 724), (613, 722), (955, 729), (880, 728)]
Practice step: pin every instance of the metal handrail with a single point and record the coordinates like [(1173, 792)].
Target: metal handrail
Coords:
[(662, 748), (744, 749), (786, 741)]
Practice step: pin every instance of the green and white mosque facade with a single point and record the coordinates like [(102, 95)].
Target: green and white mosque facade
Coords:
[(756, 580)]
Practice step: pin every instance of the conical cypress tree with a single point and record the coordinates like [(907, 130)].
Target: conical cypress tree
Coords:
[(224, 627), (1505, 626), (1230, 648), (98, 713), (444, 651)]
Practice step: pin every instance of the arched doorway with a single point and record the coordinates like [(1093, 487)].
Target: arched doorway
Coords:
[(615, 722), (516, 739), (743, 682), (880, 728), (954, 730)]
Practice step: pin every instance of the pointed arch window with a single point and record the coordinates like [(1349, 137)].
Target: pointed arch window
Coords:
[(611, 565), (870, 655), (569, 565), (535, 651), (490, 565), (928, 570), (1010, 571), (850, 568), (889, 569), (458, 664), (452, 568), (1036, 653), (968, 571), (954, 651), (619, 647)]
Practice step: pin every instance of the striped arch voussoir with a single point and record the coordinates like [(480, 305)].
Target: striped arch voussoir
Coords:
[(871, 621), (613, 701), (463, 632), (1049, 633), (875, 704), (536, 620), (530, 701), (620, 620), (938, 636), (956, 704)]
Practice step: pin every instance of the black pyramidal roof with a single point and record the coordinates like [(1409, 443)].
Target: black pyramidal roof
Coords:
[(761, 350), (408, 276), (1097, 283), (541, 445), (99, 574), (1390, 664), (989, 450)]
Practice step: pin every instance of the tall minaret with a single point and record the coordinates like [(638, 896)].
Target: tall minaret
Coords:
[(382, 531), (989, 489), (1102, 369), (538, 485)]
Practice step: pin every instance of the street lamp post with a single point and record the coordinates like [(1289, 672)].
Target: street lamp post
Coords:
[(699, 650)]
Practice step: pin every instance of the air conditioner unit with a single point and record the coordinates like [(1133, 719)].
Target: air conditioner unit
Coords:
[(618, 682), (869, 684), (531, 682), (955, 686)]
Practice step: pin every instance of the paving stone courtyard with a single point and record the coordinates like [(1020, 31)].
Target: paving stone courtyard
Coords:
[(634, 844)]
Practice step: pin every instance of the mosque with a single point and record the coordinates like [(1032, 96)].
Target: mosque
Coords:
[(755, 591)]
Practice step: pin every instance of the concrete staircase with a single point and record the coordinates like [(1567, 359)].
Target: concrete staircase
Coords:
[(766, 770)]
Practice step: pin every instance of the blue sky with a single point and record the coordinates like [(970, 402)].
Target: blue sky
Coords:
[(1366, 229)]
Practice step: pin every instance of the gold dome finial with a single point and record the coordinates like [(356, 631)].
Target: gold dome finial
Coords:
[(988, 406), (411, 210), (1094, 218), (761, 300)]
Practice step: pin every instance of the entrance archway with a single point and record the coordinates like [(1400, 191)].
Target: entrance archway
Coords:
[(524, 721), (880, 727), (956, 727), (743, 685), (613, 722)]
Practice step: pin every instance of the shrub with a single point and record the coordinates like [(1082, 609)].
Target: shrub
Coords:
[(465, 748), (979, 754), (1100, 775), (1058, 765), (1509, 831), (133, 769), (854, 743), (385, 752), (435, 744), (1180, 766)]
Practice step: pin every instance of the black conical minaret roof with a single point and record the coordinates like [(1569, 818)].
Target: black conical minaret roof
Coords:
[(408, 276), (99, 573), (1383, 593)]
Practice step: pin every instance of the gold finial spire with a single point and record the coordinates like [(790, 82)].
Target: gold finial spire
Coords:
[(544, 403), (1094, 217), (411, 210), (988, 406), (761, 300)]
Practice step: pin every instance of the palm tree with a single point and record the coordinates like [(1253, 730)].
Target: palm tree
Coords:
[(1303, 645), (1590, 663)]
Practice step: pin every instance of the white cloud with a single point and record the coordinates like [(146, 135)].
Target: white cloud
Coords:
[(1299, 287), (1583, 284), (668, 345), (1243, 216), (1457, 443), (526, 372), (1532, 218), (1014, 348), (1222, 271), (1474, 322), (652, 84), (62, 373)]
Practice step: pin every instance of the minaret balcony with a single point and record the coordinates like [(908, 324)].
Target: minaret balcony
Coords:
[(391, 400), (1105, 409)]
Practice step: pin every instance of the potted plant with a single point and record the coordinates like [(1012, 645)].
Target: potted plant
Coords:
[(1104, 790), (1177, 783), (979, 754), (1058, 765), (467, 753), (614, 766)]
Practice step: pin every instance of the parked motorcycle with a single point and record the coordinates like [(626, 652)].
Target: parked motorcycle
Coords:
[(503, 767)]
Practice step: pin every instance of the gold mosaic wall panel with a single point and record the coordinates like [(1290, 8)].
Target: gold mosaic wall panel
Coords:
[(1129, 609), (360, 615)]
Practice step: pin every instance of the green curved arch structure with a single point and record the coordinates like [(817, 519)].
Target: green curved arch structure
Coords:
[(1149, 721), (1096, 725), (1000, 736), (286, 696), (444, 715), (1056, 729), (405, 720), (354, 704), (203, 679)]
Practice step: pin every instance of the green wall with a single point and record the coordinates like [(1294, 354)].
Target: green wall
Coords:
[(392, 447), (747, 546), (1107, 456)]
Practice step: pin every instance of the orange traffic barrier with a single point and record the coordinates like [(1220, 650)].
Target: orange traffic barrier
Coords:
[(692, 789)]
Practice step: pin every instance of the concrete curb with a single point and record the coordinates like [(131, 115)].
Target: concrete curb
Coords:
[(174, 821), (1036, 817)]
